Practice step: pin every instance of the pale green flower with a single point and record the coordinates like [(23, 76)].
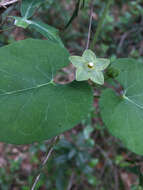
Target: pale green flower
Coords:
[(89, 67)]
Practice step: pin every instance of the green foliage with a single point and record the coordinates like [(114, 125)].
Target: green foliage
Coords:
[(123, 114), (33, 108), (47, 31), (72, 158), (93, 71), (27, 10)]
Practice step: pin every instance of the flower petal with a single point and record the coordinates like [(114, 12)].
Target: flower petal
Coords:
[(102, 64), (89, 55), (97, 77), (77, 61), (81, 74)]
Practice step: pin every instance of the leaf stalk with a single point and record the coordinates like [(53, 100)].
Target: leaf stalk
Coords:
[(100, 24)]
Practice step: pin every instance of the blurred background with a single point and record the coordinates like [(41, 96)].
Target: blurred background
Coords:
[(86, 157)]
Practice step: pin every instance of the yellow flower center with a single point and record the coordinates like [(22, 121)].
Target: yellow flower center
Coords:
[(90, 65)]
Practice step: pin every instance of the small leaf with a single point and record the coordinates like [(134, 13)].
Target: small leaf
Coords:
[(28, 7), (123, 115), (48, 31), (32, 109)]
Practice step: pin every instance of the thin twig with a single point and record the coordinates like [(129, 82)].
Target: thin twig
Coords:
[(116, 178), (71, 181), (111, 164), (124, 36), (43, 164), (7, 2), (101, 21), (109, 161), (74, 15), (89, 28)]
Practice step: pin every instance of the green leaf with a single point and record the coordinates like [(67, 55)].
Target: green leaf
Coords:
[(27, 10), (32, 109), (28, 7), (123, 115), (48, 31)]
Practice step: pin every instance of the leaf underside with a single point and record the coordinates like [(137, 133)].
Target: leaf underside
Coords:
[(31, 108), (124, 116)]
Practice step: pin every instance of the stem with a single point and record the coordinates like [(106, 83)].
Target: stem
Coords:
[(89, 29), (101, 21), (43, 164)]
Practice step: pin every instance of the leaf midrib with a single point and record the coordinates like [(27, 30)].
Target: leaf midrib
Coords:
[(26, 89), (28, 9)]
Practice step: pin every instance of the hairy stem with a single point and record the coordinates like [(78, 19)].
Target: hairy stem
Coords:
[(101, 21)]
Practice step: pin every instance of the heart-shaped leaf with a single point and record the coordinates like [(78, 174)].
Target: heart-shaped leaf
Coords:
[(123, 115), (32, 108)]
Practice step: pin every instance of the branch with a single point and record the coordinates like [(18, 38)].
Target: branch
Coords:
[(4, 3), (43, 164), (71, 181), (74, 15)]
